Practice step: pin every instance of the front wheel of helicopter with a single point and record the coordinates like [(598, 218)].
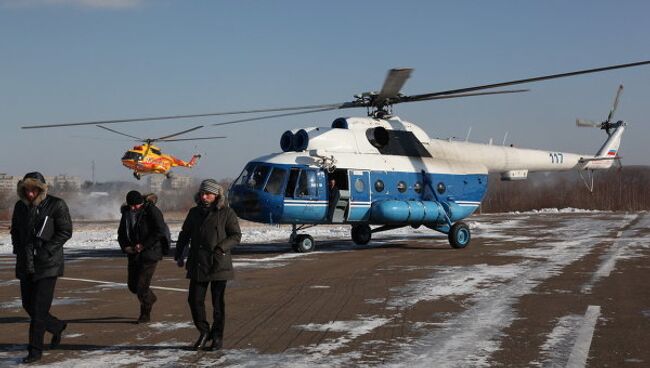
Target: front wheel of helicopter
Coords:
[(303, 243)]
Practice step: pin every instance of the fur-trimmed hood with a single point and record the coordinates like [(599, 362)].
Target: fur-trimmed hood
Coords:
[(220, 201), (31, 182)]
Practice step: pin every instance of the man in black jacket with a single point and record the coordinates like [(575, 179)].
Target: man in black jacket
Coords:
[(40, 225), (141, 231), (213, 229)]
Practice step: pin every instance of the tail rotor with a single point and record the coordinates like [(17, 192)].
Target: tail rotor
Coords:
[(606, 125)]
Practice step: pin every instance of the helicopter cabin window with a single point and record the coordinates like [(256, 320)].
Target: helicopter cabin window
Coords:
[(243, 177), (379, 186), (401, 187), (156, 151), (417, 187), (258, 178), (276, 179)]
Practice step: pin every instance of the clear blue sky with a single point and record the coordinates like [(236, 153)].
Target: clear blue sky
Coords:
[(77, 60)]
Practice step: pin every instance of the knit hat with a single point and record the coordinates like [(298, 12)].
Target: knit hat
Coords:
[(134, 197), (211, 186)]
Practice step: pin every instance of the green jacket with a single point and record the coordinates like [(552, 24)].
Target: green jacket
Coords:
[(210, 238)]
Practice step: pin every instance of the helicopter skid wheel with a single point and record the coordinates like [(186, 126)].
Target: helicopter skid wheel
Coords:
[(361, 234), (169, 175), (303, 243), (136, 175), (459, 235)]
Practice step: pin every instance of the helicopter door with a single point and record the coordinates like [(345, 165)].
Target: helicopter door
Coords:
[(359, 195)]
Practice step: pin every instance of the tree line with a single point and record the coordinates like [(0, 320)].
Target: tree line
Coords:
[(624, 189)]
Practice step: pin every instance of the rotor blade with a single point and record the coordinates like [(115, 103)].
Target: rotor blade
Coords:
[(190, 139), (613, 110), (131, 120), (587, 123), (279, 115), (528, 80), (393, 83), (179, 133), (120, 133), (408, 98)]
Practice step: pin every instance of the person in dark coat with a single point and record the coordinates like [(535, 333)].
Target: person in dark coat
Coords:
[(141, 234), (333, 197), (210, 230), (40, 225)]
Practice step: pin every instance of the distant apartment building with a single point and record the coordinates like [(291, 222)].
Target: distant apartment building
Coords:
[(8, 183), (158, 183), (64, 182), (155, 183)]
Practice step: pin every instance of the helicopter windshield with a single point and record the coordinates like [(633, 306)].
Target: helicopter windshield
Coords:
[(130, 155)]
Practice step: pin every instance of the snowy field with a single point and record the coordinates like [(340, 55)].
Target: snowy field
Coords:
[(489, 294)]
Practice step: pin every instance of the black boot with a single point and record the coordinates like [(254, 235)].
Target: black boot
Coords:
[(56, 338), (217, 344), (32, 358), (145, 314), (202, 340)]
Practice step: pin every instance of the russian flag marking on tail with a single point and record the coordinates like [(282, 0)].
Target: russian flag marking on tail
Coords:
[(611, 152)]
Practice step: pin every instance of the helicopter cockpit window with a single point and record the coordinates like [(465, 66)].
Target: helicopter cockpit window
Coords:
[(258, 178), (156, 151), (132, 156), (307, 184), (243, 177), (274, 184)]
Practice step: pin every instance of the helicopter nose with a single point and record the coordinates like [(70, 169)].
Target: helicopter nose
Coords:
[(247, 204)]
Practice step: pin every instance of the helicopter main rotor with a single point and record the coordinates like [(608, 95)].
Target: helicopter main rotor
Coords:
[(378, 104), (164, 138)]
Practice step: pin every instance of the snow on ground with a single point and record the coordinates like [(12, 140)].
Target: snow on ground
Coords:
[(467, 338)]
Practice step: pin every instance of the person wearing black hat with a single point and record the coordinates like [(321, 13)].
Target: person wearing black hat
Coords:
[(140, 235), (40, 225), (210, 230)]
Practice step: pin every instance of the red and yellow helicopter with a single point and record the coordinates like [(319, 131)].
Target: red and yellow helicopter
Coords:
[(148, 159)]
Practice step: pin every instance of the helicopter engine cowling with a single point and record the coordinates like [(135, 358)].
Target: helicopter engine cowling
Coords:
[(286, 141), (300, 140), (377, 136)]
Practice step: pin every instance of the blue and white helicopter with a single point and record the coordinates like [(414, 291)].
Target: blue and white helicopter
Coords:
[(387, 171)]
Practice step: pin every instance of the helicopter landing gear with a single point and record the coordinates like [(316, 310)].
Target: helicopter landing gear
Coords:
[(459, 235), (301, 243), (136, 175), (169, 175), (361, 234)]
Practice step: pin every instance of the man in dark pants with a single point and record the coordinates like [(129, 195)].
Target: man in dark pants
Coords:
[(40, 225), (141, 232), (334, 196), (211, 229)]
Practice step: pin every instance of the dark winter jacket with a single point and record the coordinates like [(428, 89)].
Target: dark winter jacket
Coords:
[(210, 233), (48, 216), (148, 230)]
